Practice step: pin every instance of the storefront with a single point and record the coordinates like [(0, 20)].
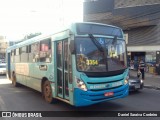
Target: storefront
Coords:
[(148, 54)]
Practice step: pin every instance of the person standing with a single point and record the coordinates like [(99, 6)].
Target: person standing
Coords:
[(142, 68)]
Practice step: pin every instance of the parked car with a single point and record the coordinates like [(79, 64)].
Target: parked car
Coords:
[(2, 68), (2, 61), (135, 83)]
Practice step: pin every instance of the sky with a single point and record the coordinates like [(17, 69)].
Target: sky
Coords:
[(21, 17)]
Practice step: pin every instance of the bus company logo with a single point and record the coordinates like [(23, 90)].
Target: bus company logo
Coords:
[(21, 114), (97, 86), (6, 114), (107, 85), (100, 86)]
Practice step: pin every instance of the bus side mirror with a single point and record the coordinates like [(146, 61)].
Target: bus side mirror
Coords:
[(72, 47)]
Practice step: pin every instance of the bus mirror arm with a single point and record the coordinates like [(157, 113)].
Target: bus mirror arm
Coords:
[(71, 47)]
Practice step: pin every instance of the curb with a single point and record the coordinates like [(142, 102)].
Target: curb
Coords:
[(151, 87)]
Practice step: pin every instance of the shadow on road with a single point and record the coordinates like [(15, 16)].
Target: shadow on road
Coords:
[(135, 92)]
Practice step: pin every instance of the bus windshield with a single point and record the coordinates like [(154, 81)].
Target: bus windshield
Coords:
[(89, 58), (98, 30)]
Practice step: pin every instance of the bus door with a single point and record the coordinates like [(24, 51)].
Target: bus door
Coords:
[(9, 65), (63, 61)]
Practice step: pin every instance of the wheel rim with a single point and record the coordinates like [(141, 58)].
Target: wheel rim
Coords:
[(47, 92)]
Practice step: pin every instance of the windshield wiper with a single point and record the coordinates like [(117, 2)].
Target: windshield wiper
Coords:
[(98, 45)]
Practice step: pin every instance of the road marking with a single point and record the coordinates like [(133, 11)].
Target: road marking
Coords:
[(2, 105)]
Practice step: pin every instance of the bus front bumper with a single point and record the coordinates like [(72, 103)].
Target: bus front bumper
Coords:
[(85, 98)]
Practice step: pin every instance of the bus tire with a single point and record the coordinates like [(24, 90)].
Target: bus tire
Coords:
[(47, 92), (14, 81)]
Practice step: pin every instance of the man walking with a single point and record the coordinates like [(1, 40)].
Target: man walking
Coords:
[(142, 68)]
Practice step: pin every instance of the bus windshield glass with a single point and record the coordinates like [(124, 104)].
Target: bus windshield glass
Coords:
[(89, 58), (98, 30)]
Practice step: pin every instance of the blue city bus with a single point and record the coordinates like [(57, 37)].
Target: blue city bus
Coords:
[(82, 65)]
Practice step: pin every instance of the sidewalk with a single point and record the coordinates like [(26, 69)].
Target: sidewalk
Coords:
[(151, 81)]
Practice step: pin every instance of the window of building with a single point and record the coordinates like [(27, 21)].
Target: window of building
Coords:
[(150, 57)]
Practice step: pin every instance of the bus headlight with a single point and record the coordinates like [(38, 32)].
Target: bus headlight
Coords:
[(81, 84), (126, 80)]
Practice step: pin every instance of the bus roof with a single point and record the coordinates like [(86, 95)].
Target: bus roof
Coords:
[(71, 27), (96, 24)]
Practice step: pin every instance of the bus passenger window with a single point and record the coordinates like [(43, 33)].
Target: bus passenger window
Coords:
[(35, 52), (30, 54), (17, 55), (45, 50), (24, 54), (12, 56)]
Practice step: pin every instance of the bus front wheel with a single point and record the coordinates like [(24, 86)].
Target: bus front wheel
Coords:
[(47, 92)]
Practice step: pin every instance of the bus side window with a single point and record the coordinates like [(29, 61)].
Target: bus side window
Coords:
[(24, 54), (45, 50), (35, 52), (12, 56), (30, 54), (17, 55)]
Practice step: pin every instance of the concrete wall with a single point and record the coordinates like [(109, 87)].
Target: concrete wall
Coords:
[(133, 3), (149, 35)]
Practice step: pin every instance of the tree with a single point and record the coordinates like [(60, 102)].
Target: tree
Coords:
[(31, 35)]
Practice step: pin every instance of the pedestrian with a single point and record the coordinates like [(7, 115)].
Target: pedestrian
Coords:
[(138, 73), (142, 68), (132, 65)]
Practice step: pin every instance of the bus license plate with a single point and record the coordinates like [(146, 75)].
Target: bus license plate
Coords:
[(109, 94)]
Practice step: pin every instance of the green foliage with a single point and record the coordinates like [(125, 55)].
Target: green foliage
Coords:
[(31, 35)]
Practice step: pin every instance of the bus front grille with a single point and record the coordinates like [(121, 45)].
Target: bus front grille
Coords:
[(100, 95), (105, 88), (108, 85), (103, 82)]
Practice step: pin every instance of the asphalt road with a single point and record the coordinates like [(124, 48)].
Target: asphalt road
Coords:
[(26, 99)]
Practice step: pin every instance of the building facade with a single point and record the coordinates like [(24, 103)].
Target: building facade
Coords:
[(3, 47), (139, 19)]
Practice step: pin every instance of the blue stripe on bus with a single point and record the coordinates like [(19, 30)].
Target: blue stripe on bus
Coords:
[(84, 98)]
